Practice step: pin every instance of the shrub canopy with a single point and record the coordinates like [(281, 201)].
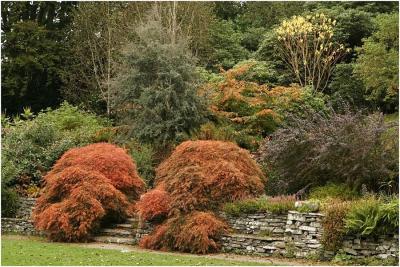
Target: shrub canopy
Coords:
[(198, 177), (32, 144), (204, 174), (107, 159), (84, 189), (349, 148)]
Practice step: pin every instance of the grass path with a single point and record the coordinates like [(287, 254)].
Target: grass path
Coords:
[(21, 250)]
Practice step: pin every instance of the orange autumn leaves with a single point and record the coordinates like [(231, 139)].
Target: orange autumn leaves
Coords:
[(86, 186), (92, 185), (198, 177)]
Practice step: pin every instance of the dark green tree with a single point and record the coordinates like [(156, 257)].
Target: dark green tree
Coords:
[(156, 89), (226, 44), (33, 53)]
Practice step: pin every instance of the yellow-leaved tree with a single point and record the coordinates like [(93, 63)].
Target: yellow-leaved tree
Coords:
[(306, 44)]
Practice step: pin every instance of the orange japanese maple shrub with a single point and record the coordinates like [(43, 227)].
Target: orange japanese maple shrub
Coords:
[(197, 232), (74, 203), (203, 174), (154, 205), (200, 233), (86, 187), (199, 177), (111, 161)]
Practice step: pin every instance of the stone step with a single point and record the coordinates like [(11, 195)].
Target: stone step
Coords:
[(265, 238), (125, 226), (132, 220), (115, 240), (116, 232)]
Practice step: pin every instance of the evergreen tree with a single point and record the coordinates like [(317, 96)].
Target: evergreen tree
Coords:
[(156, 90), (33, 53)]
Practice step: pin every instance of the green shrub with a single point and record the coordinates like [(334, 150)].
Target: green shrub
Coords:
[(143, 154), (331, 190), (373, 216), (9, 202), (276, 205), (30, 147), (261, 72), (211, 131)]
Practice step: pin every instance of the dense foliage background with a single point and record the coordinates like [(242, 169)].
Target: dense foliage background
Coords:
[(69, 50), (240, 106)]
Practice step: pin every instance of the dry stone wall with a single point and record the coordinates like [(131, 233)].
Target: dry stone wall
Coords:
[(292, 235), (258, 224), (303, 233), (22, 223), (300, 236), (383, 247)]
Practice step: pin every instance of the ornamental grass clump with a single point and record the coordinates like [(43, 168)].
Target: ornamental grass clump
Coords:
[(87, 187), (199, 177)]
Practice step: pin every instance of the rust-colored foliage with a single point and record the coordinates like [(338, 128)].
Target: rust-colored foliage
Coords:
[(153, 205), (200, 233), (202, 174), (87, 186), (197, 232), (73, 204), (159, 238), (111, 161)]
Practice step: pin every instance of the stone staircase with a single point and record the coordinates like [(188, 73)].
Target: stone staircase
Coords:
[(123, 233)]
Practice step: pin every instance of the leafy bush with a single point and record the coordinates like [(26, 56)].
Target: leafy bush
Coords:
[(349, 148), (154, 205), (143, 154), (331, 190), (197, 232), (277, 205), (254, 110), (381, 79), (199, 176), (211, 131), (9, 202), (84, 189), (335, 211), (74, 203), (373, 216), (31, 146), (260, 72), (204, 174), (200, 233), (107, 159), (346, 87)]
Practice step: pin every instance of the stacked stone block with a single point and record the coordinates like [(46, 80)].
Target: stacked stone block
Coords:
[(385, 246), (294, 234), (264, 224), (303, 233)]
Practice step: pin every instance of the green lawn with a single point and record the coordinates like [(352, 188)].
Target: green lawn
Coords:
[(35, 251)]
